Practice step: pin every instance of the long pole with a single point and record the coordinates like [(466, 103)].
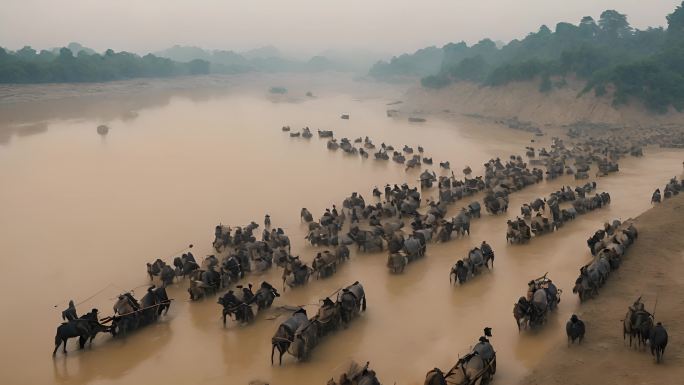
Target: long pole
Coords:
[(89, 298), (190, 246)]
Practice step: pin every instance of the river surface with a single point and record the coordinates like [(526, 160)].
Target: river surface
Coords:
[(80, 213)]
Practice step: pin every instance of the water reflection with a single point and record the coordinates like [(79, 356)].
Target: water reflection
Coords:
[(167, 177), (27, 129), (85, 367)]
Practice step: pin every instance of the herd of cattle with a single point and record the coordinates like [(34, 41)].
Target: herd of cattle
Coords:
[(607, 246), (382, 225)]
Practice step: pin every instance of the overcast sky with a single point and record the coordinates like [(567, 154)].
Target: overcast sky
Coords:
[(304, 26)]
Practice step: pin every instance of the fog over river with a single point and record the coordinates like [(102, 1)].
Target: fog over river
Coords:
[(80, 211)]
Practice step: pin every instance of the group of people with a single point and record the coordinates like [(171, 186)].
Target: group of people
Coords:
[(85, 327), (639, 325), (237, 303), (70, 314), (88, 325), (224, 235)]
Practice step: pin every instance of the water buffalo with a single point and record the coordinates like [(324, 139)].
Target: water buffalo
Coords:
[(397, 262), (305, 215), (285, 334), (574, 329), (469, 370), (658, 341), (352, 300), (305, 339), (85, 328)]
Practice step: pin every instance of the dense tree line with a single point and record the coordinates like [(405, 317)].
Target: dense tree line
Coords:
[(265, 59), (644, 64), (83, 65), (76, 63), (423, 62)]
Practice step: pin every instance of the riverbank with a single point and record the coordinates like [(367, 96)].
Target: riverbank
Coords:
[(155, 184), (523, 101), (653, 268), (29, 108)]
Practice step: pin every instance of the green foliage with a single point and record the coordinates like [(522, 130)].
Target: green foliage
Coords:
[(561, 83), (675, 20), (423, 62), (600, 90), (265, 59), (545, 85), (435, 81), (523, 71), (472, 69), (198, 67), (78, 64), (645, 65), (614, 25), (587, 28), (675, 24), (653, 81)]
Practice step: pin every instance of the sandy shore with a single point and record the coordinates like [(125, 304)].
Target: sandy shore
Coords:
[(523, 101), (653, 267), (25, 104)]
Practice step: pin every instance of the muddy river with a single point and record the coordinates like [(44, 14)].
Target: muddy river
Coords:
[(82, 213)]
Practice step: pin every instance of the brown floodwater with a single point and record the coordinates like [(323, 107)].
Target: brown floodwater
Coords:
[(81, 212)]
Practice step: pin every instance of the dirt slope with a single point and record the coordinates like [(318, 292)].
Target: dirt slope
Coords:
[(654, 267), (523, 100)]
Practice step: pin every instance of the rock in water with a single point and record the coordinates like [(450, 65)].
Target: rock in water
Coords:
[(102, 129)]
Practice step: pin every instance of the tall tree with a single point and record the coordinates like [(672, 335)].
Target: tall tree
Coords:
[(544, 31), (614, 24), (26, 53), (675, 22), (588, 27)]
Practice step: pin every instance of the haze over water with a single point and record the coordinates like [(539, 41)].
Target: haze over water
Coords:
[(82, 212)]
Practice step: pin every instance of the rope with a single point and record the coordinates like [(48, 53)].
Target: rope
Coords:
[(92, 296), (190, 246)]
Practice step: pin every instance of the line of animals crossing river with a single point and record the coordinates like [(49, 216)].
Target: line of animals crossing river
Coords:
[(402, 220)]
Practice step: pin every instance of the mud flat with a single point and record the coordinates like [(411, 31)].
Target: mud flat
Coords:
[(653, 267)]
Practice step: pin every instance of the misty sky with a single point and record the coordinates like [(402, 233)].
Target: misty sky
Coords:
[(302, 26)]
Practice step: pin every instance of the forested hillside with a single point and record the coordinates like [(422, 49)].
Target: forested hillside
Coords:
[(607, 53)]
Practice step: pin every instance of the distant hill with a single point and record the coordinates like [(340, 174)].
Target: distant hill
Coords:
[(611, 56), (76, 63), (77, 48), (423, 62), (357, 60), (265, 59), (270, 59), (262, 53), (184, 53)]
